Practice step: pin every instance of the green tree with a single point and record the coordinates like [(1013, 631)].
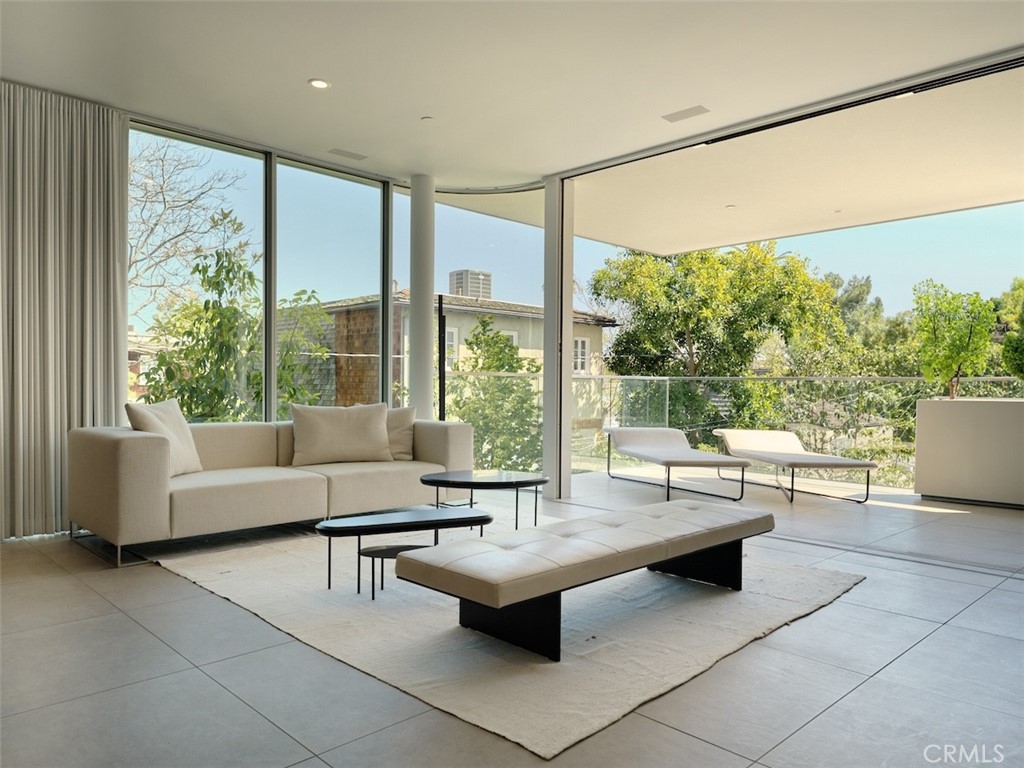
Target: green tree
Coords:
[(503, 409), (211, 343), (1013, 348), (707, 313), (953, 332)]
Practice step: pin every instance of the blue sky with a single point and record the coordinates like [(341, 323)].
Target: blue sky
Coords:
[(329, 239)]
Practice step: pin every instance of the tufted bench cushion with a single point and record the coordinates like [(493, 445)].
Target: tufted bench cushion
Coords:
[(511, 567), (526, 567)]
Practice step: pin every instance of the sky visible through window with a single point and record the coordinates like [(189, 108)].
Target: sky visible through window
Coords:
[(976, 250)]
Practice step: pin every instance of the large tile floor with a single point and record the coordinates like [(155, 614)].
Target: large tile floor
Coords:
[(921, 664)]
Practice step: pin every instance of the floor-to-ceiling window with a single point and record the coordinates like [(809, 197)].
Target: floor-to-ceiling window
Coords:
[(491, 273), (328, 288), (195, 275)]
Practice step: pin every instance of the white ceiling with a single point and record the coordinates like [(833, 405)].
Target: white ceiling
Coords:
[(522, 90)]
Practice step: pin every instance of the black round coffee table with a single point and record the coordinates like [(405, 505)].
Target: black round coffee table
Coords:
[(486, 479), (423, 518)]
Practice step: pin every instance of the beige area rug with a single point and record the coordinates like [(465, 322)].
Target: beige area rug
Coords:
[(625, 640)]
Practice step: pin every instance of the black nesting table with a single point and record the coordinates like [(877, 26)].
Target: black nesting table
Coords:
[(422, 518), (487, 479)]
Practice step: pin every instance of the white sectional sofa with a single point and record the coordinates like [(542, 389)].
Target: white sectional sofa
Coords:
[(121, 487)]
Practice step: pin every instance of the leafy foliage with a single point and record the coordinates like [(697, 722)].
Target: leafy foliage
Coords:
[(707, 313), (498, 400), (1013, 349), (953, 332), (211, 344)]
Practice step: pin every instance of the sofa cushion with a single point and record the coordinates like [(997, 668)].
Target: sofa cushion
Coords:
[(225, 445), (400, 432), (248, 497), (335, 434), (165, 419), (360, 486)]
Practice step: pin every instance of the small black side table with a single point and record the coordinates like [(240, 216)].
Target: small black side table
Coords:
[(486, 479), (403, 520)]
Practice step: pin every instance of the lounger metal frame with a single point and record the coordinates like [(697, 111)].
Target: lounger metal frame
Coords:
[(789, 494), (668, 480)]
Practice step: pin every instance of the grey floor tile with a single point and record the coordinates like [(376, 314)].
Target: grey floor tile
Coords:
[(948, 542), (431, 740), (310, 695), (1014, 584), (1000, 612), (313, 762), (20, 561), (184, 720), (141, 585), (57, 663), (44, 602), (936, 570), (922, 597), (750, 701), (71, 556), (207, 629), (886, 724), (851, 636), (640, 742), (975, 667)]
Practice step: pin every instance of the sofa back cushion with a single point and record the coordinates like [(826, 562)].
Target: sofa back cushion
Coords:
[(165, 419), (238, 444), (401, 423), (325, 435)]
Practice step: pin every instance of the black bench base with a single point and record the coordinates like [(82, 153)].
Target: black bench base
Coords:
[(536, 625)]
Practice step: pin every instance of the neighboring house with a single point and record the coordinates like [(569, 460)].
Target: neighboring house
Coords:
[(356, 333)]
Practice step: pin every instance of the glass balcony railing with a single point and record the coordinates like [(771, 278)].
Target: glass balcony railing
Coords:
[(871, 418)]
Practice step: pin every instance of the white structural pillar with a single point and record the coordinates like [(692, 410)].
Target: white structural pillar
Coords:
[(421, 297), (558, 401)]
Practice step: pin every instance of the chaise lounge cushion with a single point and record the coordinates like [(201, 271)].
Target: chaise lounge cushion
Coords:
[(667, 447), (784, 449)]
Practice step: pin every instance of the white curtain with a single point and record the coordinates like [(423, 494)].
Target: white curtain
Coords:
[(63, 283)]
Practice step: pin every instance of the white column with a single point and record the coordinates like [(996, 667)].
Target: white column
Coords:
[(421, 297), (558, 402)]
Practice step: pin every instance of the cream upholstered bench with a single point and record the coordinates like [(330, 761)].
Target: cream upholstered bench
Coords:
[(510, 585)]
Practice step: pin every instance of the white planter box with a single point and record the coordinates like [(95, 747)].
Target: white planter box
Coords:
[(971, 449)]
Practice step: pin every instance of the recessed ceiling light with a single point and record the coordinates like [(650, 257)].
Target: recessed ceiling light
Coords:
[(838, 210), (316, 82), (427, 118), (730, 207)]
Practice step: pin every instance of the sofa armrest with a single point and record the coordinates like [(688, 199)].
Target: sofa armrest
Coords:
[(118, 484), (448, 443)]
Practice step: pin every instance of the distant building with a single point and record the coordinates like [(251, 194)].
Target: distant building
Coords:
[(470, 282), (356, 332)]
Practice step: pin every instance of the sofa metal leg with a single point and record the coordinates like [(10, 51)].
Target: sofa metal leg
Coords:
[(721, 565), (534, 625)]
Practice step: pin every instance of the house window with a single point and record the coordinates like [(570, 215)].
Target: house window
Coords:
[(451, 348), (580, 355), (512, 336)]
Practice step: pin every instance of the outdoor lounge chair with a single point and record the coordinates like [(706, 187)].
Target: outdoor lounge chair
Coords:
[(669, 448), (784, 450)]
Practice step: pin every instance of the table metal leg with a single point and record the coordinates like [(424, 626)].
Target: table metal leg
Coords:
[(328, 563), (536, 490), (359, 564), (373, 577), (517, 509)]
